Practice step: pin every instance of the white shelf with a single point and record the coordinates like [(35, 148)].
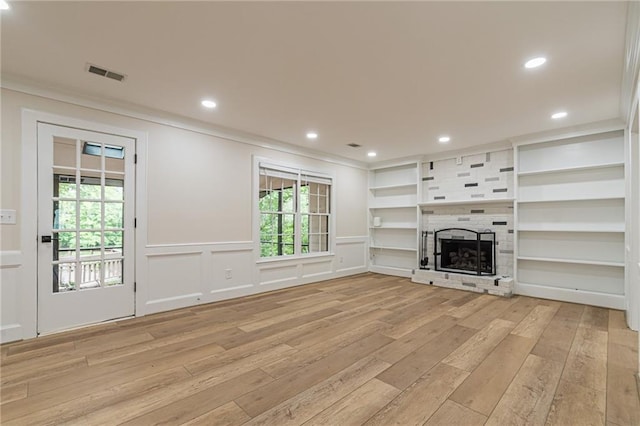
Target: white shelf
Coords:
[(413, 206), (401, 185), (406, 228), (575, 261), (611, 229), (572, 169), (393, 248), (571, 199), (466, 202)]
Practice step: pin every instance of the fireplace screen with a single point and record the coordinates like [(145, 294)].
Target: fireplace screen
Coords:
[(465, 251)]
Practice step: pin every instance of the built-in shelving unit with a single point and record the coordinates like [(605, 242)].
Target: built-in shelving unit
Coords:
[(570, 219), (393, 219)]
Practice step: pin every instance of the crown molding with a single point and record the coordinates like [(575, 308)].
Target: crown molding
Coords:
[(150, 115)]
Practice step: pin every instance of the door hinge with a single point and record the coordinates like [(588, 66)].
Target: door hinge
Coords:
[(135, 287), (135, 222), (135, 158)]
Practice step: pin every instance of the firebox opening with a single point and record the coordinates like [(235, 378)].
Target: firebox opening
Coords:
[(465, 251)]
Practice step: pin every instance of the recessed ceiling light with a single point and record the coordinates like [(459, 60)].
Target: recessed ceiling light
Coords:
[(444, 139), (371, 154), (4, 5), (208, 103), (558, 115), (535, 62), (312, 135)]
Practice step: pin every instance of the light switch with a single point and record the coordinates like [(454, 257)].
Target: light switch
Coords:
[(8, 217)]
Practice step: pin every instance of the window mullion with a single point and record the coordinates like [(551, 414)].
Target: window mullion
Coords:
[(297, 236)]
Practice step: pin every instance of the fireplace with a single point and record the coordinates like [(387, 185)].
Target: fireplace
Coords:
[(465, 251)]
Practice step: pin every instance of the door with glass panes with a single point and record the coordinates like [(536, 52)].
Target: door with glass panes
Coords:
[(85, 227)]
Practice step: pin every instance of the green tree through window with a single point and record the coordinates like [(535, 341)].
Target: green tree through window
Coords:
[(294, 212)]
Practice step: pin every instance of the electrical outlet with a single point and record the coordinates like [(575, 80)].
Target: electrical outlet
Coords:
[(8, 217), (227, 274), (458, 160), (341, 259)]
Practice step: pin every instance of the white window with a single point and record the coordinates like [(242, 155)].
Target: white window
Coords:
[(295, 211)]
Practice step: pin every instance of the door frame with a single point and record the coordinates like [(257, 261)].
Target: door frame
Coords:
[(28, 294)]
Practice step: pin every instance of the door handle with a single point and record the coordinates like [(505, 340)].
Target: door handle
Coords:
[(48, 239)]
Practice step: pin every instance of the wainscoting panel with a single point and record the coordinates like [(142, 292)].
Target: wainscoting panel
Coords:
[(180, 275), (175, 280), (10, 273)]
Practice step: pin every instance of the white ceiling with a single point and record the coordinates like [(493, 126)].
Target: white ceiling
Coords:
[(389, 76)]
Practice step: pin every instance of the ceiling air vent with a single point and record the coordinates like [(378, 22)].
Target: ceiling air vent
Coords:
[(105, 72), (354, 145)]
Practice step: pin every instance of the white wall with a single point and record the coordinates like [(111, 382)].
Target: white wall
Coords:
[(198, 199)]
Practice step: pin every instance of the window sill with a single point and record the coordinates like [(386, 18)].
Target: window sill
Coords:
[(294, 258)]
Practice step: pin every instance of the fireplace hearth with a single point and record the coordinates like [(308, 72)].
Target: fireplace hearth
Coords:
[(465, 251)]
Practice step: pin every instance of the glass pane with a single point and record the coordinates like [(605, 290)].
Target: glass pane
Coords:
[(64, 277), (113, 242), (90, 191), (64, 248), (322, 204), (288, 200), (64, 152), (90, 244), (113, 215), (91, 156), (268, 224), (304, 199), (66, 186), (64, 215), (90, 275), (90, 215), (114, 191), (113, 272)]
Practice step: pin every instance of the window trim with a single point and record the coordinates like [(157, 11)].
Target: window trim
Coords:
[(325, 176)]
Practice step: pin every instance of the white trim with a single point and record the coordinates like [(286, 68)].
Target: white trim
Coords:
[(10, 259), (214, 246), (612, 301), (11, 333), (632, 62), (465, 152), (29, 217), (167, 119), (354, 239)]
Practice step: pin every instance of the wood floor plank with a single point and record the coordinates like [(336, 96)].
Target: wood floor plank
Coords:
[(181, 410), (409, 342), (417, 403), (623, 405), (70, 408), (228, 414), (312, 401), (365, 348), (358, 406), (587, 361), (285, 387), (473, 351), (453, 414), (12, 393), (556, 340), (519, 309), (484, 387), (472, 306), (527, 400), (485, 315), (407, 370), (304, 357), (577, 405), (535, 322)]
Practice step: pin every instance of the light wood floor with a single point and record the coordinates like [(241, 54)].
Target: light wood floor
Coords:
[(368, 349)]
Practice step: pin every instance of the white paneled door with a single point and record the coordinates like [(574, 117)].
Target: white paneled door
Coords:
[(85, 227)]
